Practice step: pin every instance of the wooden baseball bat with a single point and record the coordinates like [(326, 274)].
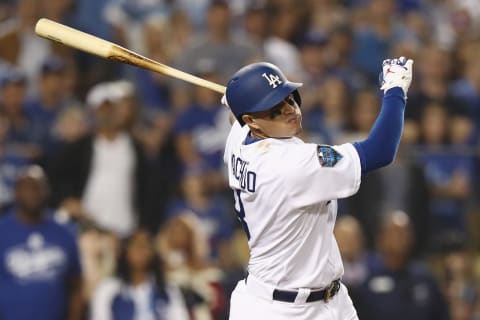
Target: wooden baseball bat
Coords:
[(86, 42)]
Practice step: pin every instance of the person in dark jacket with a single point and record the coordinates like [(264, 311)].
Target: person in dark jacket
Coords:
[(101, 176)]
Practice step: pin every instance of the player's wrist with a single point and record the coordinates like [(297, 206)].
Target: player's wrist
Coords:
[(395, 91)]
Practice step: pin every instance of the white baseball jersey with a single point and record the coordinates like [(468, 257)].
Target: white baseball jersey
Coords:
[(285, 199)]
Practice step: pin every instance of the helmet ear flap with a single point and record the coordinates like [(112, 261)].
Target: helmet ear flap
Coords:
[(297, 97)]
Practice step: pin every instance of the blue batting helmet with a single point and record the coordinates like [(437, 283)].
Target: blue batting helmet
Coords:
[(258, 87)]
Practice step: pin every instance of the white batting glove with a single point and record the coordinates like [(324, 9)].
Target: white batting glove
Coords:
[(396, 73)]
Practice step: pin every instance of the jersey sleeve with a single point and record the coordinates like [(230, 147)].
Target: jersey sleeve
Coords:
[(316, 173)]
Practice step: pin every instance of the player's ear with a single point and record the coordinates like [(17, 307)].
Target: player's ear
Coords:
[(249, 120)]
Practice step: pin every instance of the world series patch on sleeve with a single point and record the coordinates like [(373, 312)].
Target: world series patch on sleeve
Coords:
[(328, 156)]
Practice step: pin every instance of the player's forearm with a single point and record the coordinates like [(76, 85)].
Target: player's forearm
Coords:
[(381, 146)]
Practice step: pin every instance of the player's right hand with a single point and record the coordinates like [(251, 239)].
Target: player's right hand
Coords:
[(396, 73)]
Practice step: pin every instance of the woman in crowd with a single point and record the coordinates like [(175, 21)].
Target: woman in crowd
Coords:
[(138, 290)]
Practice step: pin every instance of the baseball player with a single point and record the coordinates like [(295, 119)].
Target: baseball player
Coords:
[(285, 192)]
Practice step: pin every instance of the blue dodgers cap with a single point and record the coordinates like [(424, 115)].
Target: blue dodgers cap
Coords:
[(52, 65), (11, 75), (314, 38)]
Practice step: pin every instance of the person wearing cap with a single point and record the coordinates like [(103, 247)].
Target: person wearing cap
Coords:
[(19, 138), (200, 132), (101, 176), (16, 149), (43, 110), (40, 273)]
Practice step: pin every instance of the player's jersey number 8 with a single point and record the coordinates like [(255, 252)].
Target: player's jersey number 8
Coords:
[(241, 212)]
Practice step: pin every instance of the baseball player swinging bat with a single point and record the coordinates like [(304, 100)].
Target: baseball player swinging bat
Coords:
[(86, 42)]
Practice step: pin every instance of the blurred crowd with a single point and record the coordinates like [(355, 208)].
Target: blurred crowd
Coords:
[(151, 233)]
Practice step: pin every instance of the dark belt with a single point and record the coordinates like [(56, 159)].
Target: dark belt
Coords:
[(325, 294)]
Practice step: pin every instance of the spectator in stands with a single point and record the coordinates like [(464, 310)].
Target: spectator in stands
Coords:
[(434, 69), (327, 119), (151, 130), (449, 174), (361, 116), (20, 46), (184, 247), (126, 19), (43, 110), (19, 135), (217, 48), (102, 174), (372, 40), (210, 209), (255, 24), (461, 288), (40, 276), (337, 55), (454, 21), (351, 242), (467, 88), (139, 289), (397, 287), (154, 88), (70, 125), (99, 251), (327, 15), (312, 55), (200, 134), (11, 163)]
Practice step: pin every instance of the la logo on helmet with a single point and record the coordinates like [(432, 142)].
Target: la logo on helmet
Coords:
[(273, 80)]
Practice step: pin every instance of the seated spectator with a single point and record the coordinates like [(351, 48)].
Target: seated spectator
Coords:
[(139, 289), (350, 239), (449, 174), (339, 51), (99, 250), (461, 288), (40, 276), (11, 163), (19, 136), (210, 209), (467, 88), (396, 286), (42, 110), (326, 121), (185, 249), (434, 68), (362, 115)]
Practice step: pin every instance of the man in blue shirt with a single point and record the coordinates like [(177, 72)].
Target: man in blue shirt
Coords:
[(397, 287), (40, 275)]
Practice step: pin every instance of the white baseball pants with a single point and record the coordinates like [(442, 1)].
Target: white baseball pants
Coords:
[(253, 301)]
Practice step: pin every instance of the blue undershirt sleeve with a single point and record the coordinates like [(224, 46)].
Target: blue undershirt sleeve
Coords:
[(379, 149)]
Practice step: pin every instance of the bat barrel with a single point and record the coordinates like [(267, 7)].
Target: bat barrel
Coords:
[(72, 37), (86, 42)]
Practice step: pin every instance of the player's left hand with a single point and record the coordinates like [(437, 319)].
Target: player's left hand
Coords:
[(396, 73)]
